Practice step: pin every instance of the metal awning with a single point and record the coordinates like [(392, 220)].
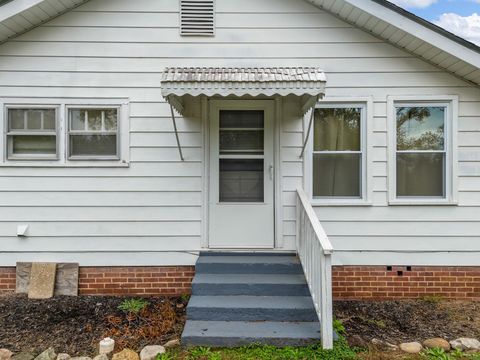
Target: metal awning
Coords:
[(307, 83), (303, 82)]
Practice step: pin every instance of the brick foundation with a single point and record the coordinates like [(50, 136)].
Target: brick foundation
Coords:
[(7, 279), (145, 281), (405, 282), (349, 282)]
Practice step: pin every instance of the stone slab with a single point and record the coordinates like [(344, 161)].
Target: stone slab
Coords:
[(66, 279), (42, 280)]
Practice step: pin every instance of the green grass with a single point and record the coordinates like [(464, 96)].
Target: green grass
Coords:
[(341, 351)]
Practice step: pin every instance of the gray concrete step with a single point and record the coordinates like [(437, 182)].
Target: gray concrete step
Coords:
[(251, 308), (238, 333), (250, 284), (246, 264)]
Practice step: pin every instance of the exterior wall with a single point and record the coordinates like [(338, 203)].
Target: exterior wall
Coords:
[(141, 281), (401, 282), (151, 213)]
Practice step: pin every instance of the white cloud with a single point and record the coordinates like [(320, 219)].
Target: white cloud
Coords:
[(420, 4), (467, 27)]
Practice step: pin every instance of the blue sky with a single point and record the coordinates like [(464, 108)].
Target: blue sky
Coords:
[(461, 17)]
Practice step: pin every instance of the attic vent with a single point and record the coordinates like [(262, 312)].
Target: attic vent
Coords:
[(197, 17)]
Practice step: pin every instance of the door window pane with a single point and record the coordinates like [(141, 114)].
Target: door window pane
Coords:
[(337, 129), (336, 175), (93, 145), (241, 141), (420, 128), (241, 132), (241, 119), (241, 180), (420, 174)]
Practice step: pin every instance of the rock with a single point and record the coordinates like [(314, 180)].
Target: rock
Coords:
[(384, 345), (465, 344), (81, 358), (151, 352), (106, 346), (63, 356), (23, 356), (437, 343), (357, 341), (5, 354), (126, 354), (411, 348), (172, 343), (101, 357), (48, 354)]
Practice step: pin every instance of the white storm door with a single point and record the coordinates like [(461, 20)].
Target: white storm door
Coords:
[(241, 199)]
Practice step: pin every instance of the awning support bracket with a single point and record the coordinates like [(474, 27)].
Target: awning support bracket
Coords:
[(176, 133), (309, 128)]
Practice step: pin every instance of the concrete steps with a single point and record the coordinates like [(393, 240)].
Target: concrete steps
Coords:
[(240, 298)]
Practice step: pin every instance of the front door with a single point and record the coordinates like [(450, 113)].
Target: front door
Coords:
[(241, 199)]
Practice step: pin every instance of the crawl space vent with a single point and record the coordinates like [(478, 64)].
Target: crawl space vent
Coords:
[(197, 17)]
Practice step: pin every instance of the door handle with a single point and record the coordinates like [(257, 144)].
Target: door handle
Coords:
[(270, 171)]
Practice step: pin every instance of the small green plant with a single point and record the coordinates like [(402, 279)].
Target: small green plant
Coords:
[(133, 305), (185, 297), (433, 299), (436, 354), (338, 327), (164, 356)]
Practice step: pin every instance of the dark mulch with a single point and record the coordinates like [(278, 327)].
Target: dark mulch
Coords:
[(75, 325), (408, 320)]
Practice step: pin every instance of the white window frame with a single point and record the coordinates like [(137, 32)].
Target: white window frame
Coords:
[(63, 104), (7, 133), (70, 133), (450, 102), (366, 122)]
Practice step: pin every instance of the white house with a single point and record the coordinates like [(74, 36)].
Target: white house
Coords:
[(138, 133)]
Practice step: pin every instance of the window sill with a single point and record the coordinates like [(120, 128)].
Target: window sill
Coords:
[(413, 202), (83, 164), (339, 202)]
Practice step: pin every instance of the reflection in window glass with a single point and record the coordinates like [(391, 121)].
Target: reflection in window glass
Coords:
[(420, 128), (93, 133), (421, 151)]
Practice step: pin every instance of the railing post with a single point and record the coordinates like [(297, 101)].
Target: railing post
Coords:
[(327, 304)]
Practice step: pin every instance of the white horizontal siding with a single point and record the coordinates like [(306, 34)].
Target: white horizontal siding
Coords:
[(118, 48)]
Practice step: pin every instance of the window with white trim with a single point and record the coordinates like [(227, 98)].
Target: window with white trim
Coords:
[(93, 133), (31, 133), (421, 150), (338, 159)]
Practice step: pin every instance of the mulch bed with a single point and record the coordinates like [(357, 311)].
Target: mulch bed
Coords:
[(408, 320), (75, 325)]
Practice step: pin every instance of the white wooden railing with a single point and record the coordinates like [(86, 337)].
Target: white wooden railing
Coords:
[(315, 253)]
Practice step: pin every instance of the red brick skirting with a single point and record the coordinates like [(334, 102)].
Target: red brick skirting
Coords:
[(151, 280), (7, 279), (349, 282), (405, 282)]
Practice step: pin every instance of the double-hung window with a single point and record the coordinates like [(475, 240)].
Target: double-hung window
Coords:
[(93, 133), (338, 158), (31, 133), (421, 150)]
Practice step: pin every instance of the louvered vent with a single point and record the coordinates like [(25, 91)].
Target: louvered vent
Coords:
[(197, 17)]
